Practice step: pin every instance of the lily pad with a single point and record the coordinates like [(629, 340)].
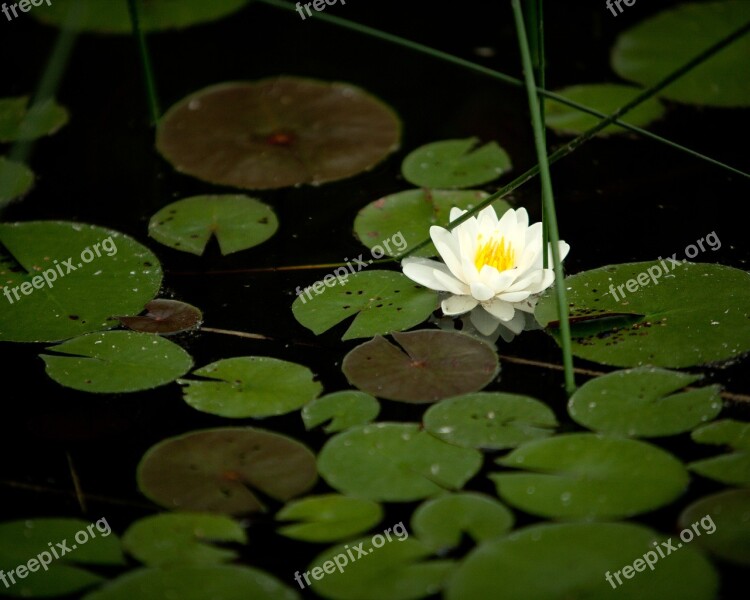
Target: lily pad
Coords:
[(395, 462), (572, 560), (213, 470), (328, 518), (104, 273), (640, 402), (105, 16), (583, 476), (19, 122), (675, 323), (732, 468), (723, 522), (278, 132), (406, 218), (16, 180), (604, 97), (660, 45), (116, 361), (455, 164), (29, 542), (251, 386), (492, 420), (440, 522), (397, 570), (238, 222), (383, 301), (344, 409), (182, 539), (429, 365), (165, 317), (227, 582)]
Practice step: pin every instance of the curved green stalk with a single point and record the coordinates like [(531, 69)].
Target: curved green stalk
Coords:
[(148, 73)]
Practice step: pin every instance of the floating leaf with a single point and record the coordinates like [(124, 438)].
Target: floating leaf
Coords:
[(492, 420), (182, 539), (277, 133), (251, 386), (455, 164), (440, 522), (227, 582), (116, 361), (395, 462), (31, 543), (122, 275), (572, 560), (587, 476), (213, 470), (344, 409), (238, 222), (105, 16), (383, 301), (604, 97), (397, 570), (165, 317), (16, 180), (662, 44), (406, 218), (432, 365), (640, 402), (679, 322), (19, 122), (732, 468), (728, 515), (328, 518)]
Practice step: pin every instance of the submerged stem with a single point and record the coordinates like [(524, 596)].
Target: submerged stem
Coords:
[(148, 73)]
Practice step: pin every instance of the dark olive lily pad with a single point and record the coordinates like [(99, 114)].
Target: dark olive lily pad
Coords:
[(238, 222), (430, 365), (732, 468), (165, 317), (677, 322), (277, 133), (19, 122), (395, 462), (343, 409), (16, 180), (640, 402), (585, 476), (328, 518), (217, 470)]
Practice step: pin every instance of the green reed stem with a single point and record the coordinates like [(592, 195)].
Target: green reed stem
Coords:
[(148, 73)]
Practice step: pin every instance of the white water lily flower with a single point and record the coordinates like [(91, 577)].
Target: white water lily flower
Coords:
[(493, 268)]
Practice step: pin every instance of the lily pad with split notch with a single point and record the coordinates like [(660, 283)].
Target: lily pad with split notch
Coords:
[(277, 133), (344, 409), (19, 122), (732, 468), (428, 366), (227, 470), (165, 317), (328, 518)]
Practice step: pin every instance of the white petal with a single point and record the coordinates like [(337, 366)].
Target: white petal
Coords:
[(514, 296), (480, 291), (548, 278), (422, 270), (447, 247), (507, 224), (496, 280), (527, 282), (452, 285), (517, 323), (456, 213), (485, 323), (457, 305), (500, 309)]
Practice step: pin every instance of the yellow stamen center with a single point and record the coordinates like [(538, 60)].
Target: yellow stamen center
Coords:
[(495, 253)]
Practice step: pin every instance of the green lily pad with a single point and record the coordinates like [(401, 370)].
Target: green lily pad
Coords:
[(675, 323), (277, 133), (572, 560), (404, 219), (640, 402), (182, 539), (105, 16), (227, 582), (440, 522), (455, 164), (328, 518), (104, 273), (604, 97), (251, 386), (213, 470), (16, 180), (165, 317), (732, 468), (50, 551), (492, 420), (397, 570), (116, 361), (723, 521), (344, 410), (383, 301), (660, 45), (395, 462), (586, 476), (19, 122), (429, 365), (238, 222)]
